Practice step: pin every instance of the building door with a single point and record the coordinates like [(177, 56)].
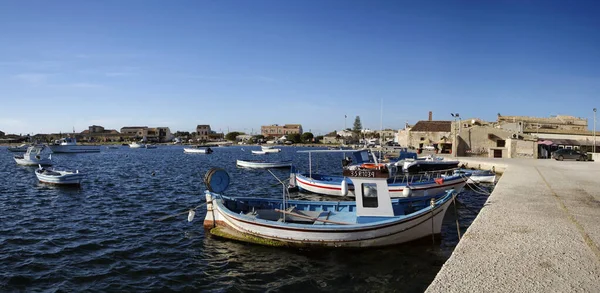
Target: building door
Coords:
[(497, 153)]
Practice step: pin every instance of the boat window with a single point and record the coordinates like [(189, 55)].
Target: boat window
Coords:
[(369, 195)]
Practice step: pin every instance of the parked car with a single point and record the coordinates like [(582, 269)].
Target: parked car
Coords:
[(568, 154)]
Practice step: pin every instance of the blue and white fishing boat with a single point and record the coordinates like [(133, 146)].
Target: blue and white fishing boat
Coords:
[(69, 145), (34, 156), (60, 177), (136, 145), (400, 185), (260, 164), (373, 219)]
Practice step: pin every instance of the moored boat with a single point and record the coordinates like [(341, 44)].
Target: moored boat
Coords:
[(151, 146), (197, 150), (60, 177), (418, 185), (69, 145), (373, 219), (477, 176), (430, 163), (34, 156), (18, 149), (263, 164), (259, 152), (135, 145)]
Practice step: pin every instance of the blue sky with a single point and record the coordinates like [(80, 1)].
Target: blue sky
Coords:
[(238, 65)]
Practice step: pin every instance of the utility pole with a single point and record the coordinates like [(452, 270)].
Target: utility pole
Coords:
[(594, 147), (455, 139)]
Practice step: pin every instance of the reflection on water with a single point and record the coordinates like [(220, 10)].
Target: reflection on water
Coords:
[(102, 236)]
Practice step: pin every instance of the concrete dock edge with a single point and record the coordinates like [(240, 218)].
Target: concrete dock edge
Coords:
[(539, 231)]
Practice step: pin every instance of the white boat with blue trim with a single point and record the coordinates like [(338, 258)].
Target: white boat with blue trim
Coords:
[(400, 185), (373, 219), (34, 156), (477, 176), (260, 164), (69, 145), (60, 177)]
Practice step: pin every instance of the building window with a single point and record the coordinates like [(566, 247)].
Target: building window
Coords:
[(500, 143), (369, 195), (422, 138)]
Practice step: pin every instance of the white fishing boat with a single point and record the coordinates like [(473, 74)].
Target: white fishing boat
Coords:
[(270, 149), (477, 176), (197, 150), (34, 156), (18, 149), (135, 145), (373, 219), (69, 145), (259, 164), (60, 177), (259, 152), (400, 185)]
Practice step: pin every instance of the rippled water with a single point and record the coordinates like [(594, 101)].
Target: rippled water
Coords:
[(103, 237)]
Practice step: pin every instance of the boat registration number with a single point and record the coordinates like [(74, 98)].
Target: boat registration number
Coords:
[(362, 173)]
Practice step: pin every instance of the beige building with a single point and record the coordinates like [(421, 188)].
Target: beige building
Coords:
[(280, 130), (427, 133), (203, 131), (494, 142), (99, 134), (154, 134), (528, 124)]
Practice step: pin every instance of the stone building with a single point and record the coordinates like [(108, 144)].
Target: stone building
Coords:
[(279, 130), (1, 133), (528, 124), (428, 133), (494, 142), (203, 131), (97, 133)]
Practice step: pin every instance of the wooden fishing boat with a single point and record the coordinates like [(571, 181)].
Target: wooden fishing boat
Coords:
[(373, 219), (260, 164), (60, 177), (418, 185)]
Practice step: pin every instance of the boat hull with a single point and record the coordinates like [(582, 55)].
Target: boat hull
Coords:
[(74, 148), (332, 186), (262, 164), (27, 162), (196, 151), (385, 232), (67, 179)]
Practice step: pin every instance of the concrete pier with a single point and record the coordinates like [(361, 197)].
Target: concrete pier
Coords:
[(538, 232)]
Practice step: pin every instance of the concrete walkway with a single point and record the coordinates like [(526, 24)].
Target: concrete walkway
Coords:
[(538, 232)]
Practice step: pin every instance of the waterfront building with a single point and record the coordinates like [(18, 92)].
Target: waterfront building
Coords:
[(154, 134), (276, 130), (477, 138), (554, 132), (1, 134), (98, 134), (203, 131)]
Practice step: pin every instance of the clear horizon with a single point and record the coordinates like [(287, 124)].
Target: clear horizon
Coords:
[(238, 65)]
